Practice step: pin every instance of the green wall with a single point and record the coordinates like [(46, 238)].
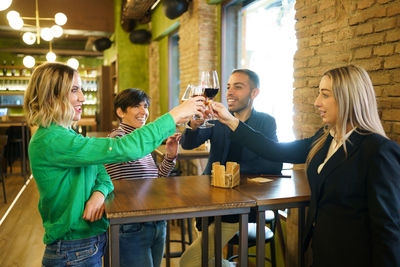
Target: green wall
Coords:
[(132, 58), (161, 26)]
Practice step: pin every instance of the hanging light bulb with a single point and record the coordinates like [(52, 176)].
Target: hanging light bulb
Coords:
[(15, 20), (57, 31), (4, 4), (51, 56), (29, 61), (46, 34), (29, 38), (73, 63), (60, 18), (12, 14), (16, 23)]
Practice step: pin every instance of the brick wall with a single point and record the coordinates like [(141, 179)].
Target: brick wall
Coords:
[(333, 33), (198, 41)]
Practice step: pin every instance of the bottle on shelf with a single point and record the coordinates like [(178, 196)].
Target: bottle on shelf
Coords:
[(13, 70), (4, 68)]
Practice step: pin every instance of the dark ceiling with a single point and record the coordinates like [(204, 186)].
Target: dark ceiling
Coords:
[(88, 20)]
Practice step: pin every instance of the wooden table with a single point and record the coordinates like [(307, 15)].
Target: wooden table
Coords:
[(184, 154), (181, 197), (281, 193)]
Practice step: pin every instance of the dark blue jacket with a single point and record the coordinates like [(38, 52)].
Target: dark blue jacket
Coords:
[(220, 140)]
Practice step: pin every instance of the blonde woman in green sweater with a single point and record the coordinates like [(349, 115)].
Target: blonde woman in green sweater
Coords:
[(68, 168)]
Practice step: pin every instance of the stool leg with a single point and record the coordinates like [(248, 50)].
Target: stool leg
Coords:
[(183, 240), (230, 250), (190, 234), (273, 255)]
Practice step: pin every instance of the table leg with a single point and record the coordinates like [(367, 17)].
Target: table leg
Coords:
[(301, 219), (218, 242), (106, 256), (260, 243), (114, 245), (204, 241), (243, 239)]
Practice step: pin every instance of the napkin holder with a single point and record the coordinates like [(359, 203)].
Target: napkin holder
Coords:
[(225, 178)]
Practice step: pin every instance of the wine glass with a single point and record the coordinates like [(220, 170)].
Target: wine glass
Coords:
[(210, 85), (180, 127), (188, 92), (192, 91)]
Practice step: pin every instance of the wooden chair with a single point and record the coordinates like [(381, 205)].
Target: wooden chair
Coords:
[(3, 142)]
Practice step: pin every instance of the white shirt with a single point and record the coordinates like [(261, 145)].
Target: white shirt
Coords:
[(334, 147)]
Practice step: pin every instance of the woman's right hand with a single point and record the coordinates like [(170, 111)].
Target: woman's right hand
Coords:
[(190, 107)]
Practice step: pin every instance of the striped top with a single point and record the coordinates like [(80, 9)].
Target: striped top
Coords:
[(142, 168)]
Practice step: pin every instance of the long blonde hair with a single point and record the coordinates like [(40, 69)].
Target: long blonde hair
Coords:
[(355, 96), (47, 96)]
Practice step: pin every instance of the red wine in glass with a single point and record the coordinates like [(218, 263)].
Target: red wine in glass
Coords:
[(211, 92)]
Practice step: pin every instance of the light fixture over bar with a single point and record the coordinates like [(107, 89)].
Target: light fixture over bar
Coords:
[(47, 34), (4, 4)]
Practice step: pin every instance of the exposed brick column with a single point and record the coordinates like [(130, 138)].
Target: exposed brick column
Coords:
[(198, 41), (335, 33), (154, 81)]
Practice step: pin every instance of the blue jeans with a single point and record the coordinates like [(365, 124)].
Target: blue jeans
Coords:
[(142, 244), (86, 252)]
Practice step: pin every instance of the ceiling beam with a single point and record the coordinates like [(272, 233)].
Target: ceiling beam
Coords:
[(59, 52), (65, 31)]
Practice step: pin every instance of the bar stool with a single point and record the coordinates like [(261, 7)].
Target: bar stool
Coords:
[(168, 255), (16, 147), (252, 237)]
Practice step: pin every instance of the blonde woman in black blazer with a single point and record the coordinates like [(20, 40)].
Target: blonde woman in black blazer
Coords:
[(353, 170)]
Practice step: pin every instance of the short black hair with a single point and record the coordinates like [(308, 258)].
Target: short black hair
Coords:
[(130, 97), (253, 77)]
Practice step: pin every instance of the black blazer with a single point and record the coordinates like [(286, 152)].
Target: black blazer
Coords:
[(354, 215)]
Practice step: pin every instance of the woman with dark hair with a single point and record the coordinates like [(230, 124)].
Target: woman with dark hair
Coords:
[(353, 170), (141, 244), (68, 168)]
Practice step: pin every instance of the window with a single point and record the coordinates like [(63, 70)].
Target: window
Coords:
[(260, 35)]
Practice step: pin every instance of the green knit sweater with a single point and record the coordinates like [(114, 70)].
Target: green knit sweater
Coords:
[(68, 168)]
